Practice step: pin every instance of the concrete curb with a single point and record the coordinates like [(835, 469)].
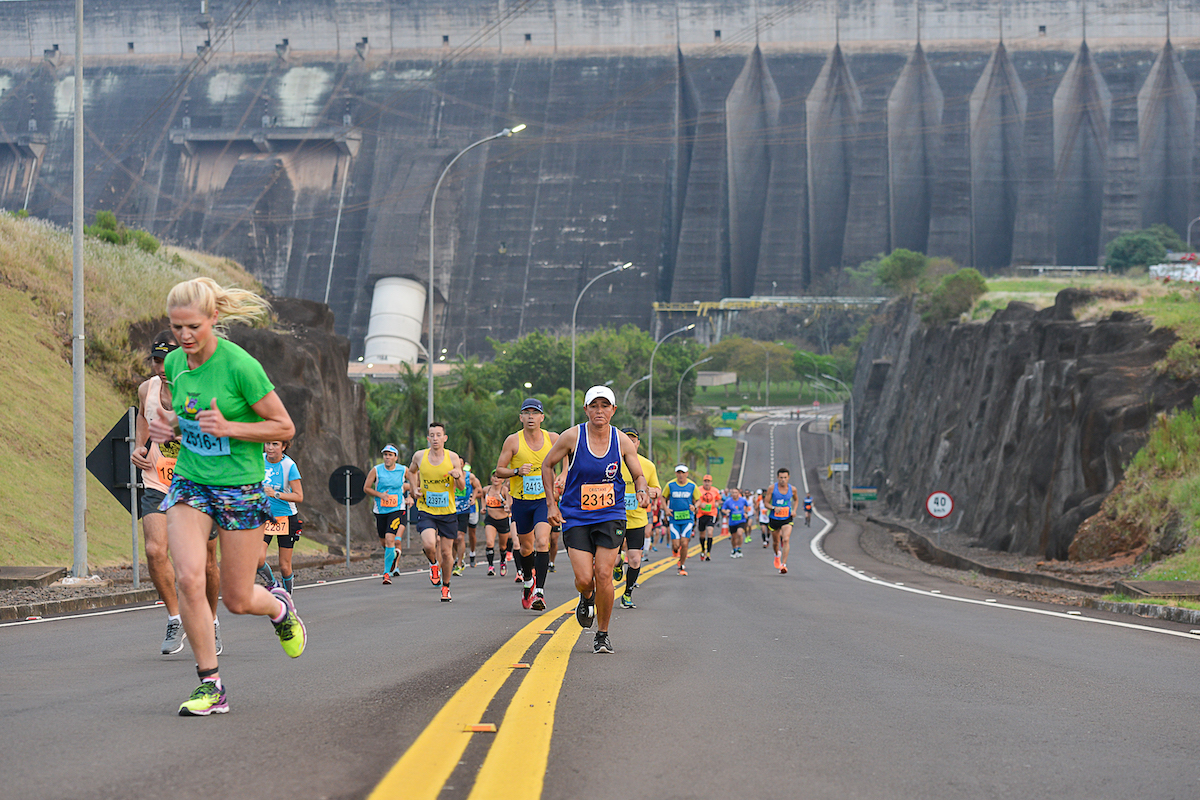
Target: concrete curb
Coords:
[(944, 558), (1187, 616), (73, 604)]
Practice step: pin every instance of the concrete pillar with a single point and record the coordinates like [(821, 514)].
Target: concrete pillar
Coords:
[(1082, 110)]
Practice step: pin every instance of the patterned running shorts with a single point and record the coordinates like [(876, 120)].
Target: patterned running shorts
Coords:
[(232, 508)]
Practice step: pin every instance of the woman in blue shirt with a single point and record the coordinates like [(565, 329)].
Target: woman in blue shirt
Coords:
[(283, 488)]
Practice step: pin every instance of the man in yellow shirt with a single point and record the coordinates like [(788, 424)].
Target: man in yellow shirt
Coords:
[(636, 520), (521, 462), (433, 477)]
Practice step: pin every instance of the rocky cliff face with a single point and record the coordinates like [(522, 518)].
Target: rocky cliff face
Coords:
[(1027, 420)]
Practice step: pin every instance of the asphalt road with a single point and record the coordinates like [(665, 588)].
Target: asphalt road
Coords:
[(734, 681)]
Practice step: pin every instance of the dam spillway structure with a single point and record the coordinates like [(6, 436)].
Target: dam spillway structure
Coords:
[(725, 148)]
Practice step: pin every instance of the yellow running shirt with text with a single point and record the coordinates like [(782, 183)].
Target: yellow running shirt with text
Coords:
[(528, 487), (635, 515), (437, 487)]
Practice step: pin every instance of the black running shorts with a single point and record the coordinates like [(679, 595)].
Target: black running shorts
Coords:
[(595, 536)]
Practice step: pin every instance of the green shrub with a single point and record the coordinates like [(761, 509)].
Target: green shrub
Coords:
[(108, 228), (106, 220), (1136, 249), (954, 296), (901, 270), (145, 241)]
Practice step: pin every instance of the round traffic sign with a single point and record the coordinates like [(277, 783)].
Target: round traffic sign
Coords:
[(939, 505), (337, 484)]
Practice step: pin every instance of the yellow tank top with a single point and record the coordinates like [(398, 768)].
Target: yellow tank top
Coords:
[(635, 515), (528, 487), (437, 487)]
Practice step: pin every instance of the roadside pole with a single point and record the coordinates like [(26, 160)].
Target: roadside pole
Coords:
[(131, 416)]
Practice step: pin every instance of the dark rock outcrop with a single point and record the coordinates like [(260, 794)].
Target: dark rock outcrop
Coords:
[(307, 361), (1028, 420)]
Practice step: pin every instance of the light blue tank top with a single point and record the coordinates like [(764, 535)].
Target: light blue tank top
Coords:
[(390, 482)]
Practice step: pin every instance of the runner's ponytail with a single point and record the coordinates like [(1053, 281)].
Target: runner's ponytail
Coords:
[(230, 304)]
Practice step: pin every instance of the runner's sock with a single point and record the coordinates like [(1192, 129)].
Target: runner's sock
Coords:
[(491, 556), (389, 557), (287, 582), (631, 576), (265, 572), (541, 567)]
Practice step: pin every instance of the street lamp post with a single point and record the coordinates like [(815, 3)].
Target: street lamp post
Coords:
[(822, 386), (850, 400), (625, 399), (1189, 233), (432, 205), (679, 405), (650, 404), (574, 311)]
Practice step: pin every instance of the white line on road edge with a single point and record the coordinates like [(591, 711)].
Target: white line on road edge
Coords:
[(1074, 616), (126, 609)]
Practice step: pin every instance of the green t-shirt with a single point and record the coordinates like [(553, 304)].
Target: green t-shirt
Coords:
[(237, 381)]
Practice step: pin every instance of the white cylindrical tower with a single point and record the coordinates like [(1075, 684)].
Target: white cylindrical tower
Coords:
[(394, 329)]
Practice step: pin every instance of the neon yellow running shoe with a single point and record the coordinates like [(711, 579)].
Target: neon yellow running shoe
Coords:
[(290, 630), (207, 699)]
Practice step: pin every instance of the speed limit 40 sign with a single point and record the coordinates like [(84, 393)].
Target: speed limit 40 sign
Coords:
[(939, 505)]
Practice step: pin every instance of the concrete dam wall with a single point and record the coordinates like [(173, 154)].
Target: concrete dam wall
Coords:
[(725, 148)]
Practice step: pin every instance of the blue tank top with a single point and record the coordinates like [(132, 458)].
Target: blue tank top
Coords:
[(781, 502), (679, 501), (595, 490), (463, 497), (389, 482)]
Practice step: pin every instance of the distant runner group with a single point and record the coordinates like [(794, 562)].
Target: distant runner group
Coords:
[(215, 467)]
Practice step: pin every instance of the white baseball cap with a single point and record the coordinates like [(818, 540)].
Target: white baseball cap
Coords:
[(597, 392), (681, 468)]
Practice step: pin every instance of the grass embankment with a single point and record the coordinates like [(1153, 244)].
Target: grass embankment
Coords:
[(1158, 503), (123, 286)]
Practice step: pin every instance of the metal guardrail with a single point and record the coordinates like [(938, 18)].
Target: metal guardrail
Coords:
[(703, 308), (1043, 269)]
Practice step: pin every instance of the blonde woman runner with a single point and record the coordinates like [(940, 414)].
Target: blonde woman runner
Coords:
[(223, 409)]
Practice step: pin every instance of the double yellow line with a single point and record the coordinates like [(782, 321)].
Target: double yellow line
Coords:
[(524, 733)]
